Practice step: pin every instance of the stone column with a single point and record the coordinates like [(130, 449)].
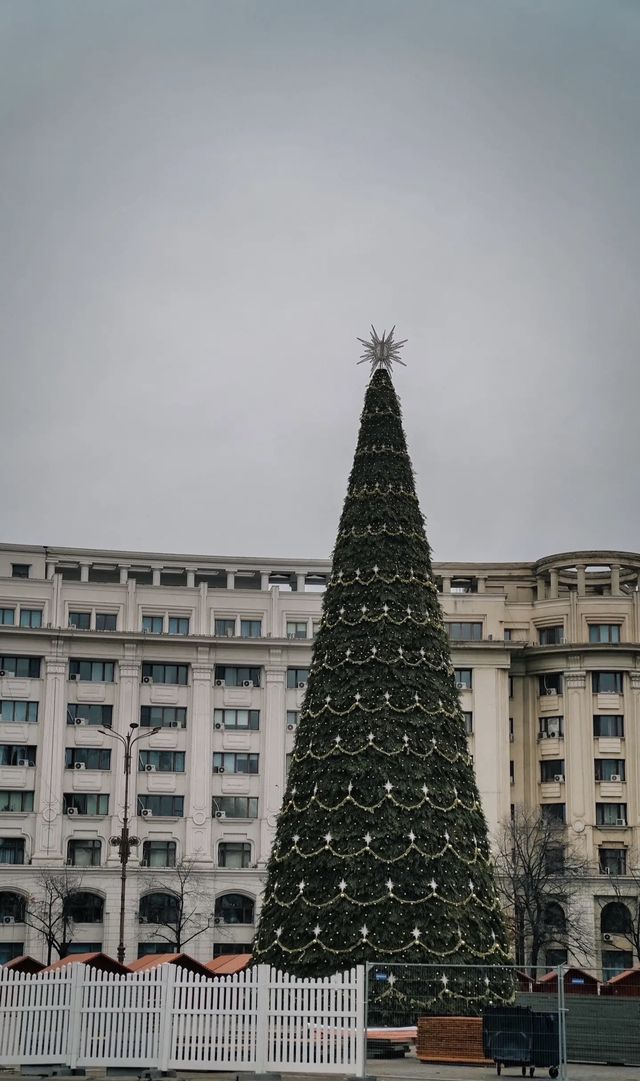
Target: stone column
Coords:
[(127, 710), (156, 572), (481, 585), (446, 585), (231, 579), (264, 581), (615, 581), (49, 819), (632, 746), (273, 751), (540, 590), (200, 764), (578, 750), (581, 578), (124, 575), (300, 581), (191, 579), (84, 572), (553, 584)]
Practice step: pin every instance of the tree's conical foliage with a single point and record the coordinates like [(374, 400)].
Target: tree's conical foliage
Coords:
[(381, 848)]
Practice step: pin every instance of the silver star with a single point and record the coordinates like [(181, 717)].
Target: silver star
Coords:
[(445, 980), (374, 650), (446, 836), (357, 696), (342, 886), (376, 569), (347, 653), (296, 838), (391, 979), (387, 696), (349, 788), (416, 933), (278, 932), (301, 885), (364, 609), (389, 885), (328, 699), (367, 839), (341, 611), (364, 930), (388, 787), (411, 835), (338, 739), (381, 352), (371, 737), (385, 608), (317, 929), (425, 790), (405, 739), (434, 885), (327, 837)]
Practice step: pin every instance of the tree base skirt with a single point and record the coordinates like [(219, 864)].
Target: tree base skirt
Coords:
[(455, 1040)]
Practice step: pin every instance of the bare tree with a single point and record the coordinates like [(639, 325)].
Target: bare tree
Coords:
[(49, 911), (186, 911), (625, 881), (538, 875)]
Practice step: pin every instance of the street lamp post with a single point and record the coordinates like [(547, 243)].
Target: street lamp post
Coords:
[(125, 842)]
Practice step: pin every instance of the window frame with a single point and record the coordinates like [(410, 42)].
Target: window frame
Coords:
[(475, 627), (29, 623)]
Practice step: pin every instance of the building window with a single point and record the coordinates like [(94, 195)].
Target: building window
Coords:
[(293, 718), (235, 806), (161, 761), (551, 636), (250, 628), (225, 628), (468, 722), (14, 754), (554, 918), (463, 678), (153, 624), (554, 812), (159, 908), (608, 725), (20, 712), (31, 617), (555, 957), (613, 861), (604, 632), (464, 632), (86, 803), (80, 621), (615, 919), (225, 949), (508, 634), (166, 673), (551, 727), (90, 714), (16, 802), (512, 734), (510, 686), (163, 717), (83, 947), (7, 617), (11, 850), (159, 854), (235, 762), (92, 671), (614, 962), (161, 806), (296, 677), (12, 906), (552, 771), (84, 853), (234, 854), (296, 629), (554, 860), (21, 667), (237, 718), (178, 625), (87, 758), (609, 769), (607, 682), (10, 950), (106, 621), (551, 683), (20, 570), (234, 676), (512, 772), (148, 949), (234, 908), (611, 814)]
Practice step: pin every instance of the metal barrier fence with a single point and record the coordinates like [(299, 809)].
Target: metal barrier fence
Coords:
[(476, 1020)]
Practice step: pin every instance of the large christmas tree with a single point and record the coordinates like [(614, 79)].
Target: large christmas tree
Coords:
[(381, 847)]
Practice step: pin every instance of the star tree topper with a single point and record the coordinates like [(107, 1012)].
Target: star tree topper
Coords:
[(381, 352)]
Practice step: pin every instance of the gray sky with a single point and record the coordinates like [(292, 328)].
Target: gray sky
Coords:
[(203, 203)]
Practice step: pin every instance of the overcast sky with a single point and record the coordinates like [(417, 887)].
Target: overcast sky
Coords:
[(202, 204)]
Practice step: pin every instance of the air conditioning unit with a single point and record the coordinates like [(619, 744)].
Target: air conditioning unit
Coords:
[(553, 731), (559, 777), (219, 725), (147, 679), (490, 637), (247, 683), (174, 724), (71, 811), (23, 762), (607, 937), (219, 683), (79, 765), (8, 919), (2, 672), (621, 821), (542, 735), (290, 727), (301, 686), (146, 813), (230, 632), (141, 918), (218, 769), (78, 720), (149, 769), (75, 677), (217, 920), (615, 777), (550, 690), (461, 686), (221, 814), (72, 627)]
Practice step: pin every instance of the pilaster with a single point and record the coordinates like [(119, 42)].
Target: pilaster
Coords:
[(200, 760), (577, 746), (126, 712), (49, 818), (273, 766)]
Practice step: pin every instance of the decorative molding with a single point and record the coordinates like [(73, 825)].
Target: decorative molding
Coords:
[(575, 680)]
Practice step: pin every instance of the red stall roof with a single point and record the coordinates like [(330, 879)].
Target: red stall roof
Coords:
[(100, 961)]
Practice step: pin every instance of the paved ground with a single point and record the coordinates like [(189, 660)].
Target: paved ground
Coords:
[(409, 1069)]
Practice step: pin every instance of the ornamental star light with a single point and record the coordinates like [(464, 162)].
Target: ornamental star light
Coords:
[(381, 352)]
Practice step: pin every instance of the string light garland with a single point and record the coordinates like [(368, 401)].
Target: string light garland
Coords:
[(381, 846)]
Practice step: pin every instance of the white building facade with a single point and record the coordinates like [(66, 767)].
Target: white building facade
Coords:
[(215, 653)]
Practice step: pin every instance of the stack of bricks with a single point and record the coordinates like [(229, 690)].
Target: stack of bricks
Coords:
[(456, 1040)]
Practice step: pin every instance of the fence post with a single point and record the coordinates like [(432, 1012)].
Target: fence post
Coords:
[(562, 1021), (263, 1018), (167, 996), (362, 1009), (79, 973)]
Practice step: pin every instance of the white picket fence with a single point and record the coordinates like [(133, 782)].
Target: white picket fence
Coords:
[(167, 1018)]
